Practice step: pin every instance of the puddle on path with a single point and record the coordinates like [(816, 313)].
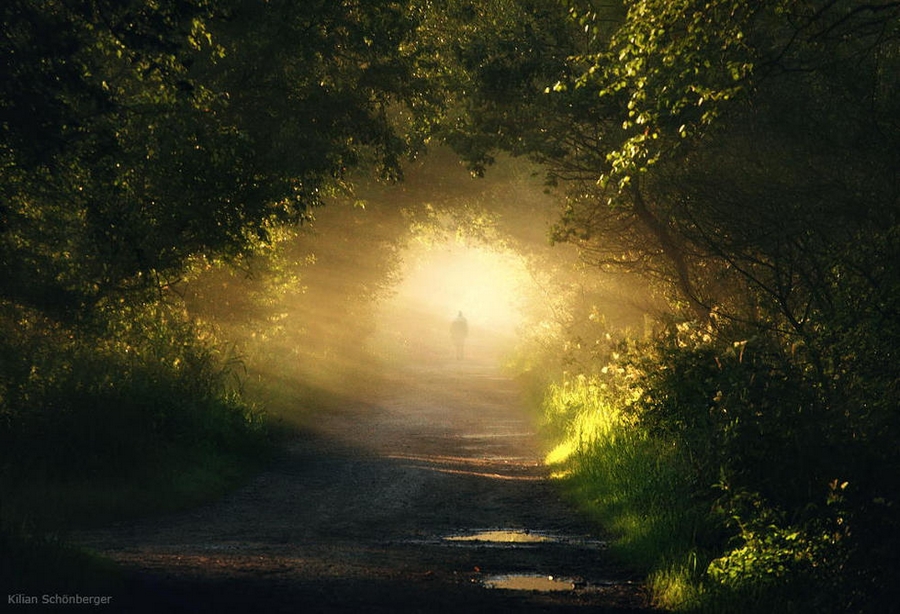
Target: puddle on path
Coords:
[(502, 536), (529, 582), (495, 434)]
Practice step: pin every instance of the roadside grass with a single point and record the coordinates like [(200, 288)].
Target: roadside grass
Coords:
[(141, 419), (633, 485), (638, 486)]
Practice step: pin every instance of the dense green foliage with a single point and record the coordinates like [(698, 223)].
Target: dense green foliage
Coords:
[(134, 418), (741, 158), (142, 144), (112, 399), (135, 137), (716, 472)]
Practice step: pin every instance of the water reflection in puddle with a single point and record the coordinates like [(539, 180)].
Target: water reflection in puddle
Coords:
[(502, 536), (519, 538), (529, 582)]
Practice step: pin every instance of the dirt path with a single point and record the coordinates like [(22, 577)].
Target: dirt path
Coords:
[(416, 501)]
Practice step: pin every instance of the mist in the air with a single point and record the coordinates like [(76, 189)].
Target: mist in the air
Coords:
[(372, 285)]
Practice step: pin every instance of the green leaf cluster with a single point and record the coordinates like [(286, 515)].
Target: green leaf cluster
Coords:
[(136, 137), (742, 157), (142, 144)]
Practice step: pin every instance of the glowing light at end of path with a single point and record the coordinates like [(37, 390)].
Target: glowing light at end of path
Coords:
[(485, 285), (437, 283)]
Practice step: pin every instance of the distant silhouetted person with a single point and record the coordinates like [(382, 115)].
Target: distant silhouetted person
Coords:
[(459, 329)]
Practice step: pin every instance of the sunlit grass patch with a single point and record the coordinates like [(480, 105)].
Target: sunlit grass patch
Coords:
[(560, 453), (634, 485), (630, 487), (676, 587), (667, 483)]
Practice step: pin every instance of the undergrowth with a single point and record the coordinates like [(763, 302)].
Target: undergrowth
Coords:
[(137, 414), (712, 468), (633, 485)]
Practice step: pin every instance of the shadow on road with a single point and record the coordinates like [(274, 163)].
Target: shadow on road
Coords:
[(378, 507)]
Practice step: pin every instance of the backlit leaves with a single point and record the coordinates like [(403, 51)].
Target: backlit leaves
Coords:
[(668, 65), (136, 136)]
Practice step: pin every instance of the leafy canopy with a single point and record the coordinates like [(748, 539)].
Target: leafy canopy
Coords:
[(135, 137)]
